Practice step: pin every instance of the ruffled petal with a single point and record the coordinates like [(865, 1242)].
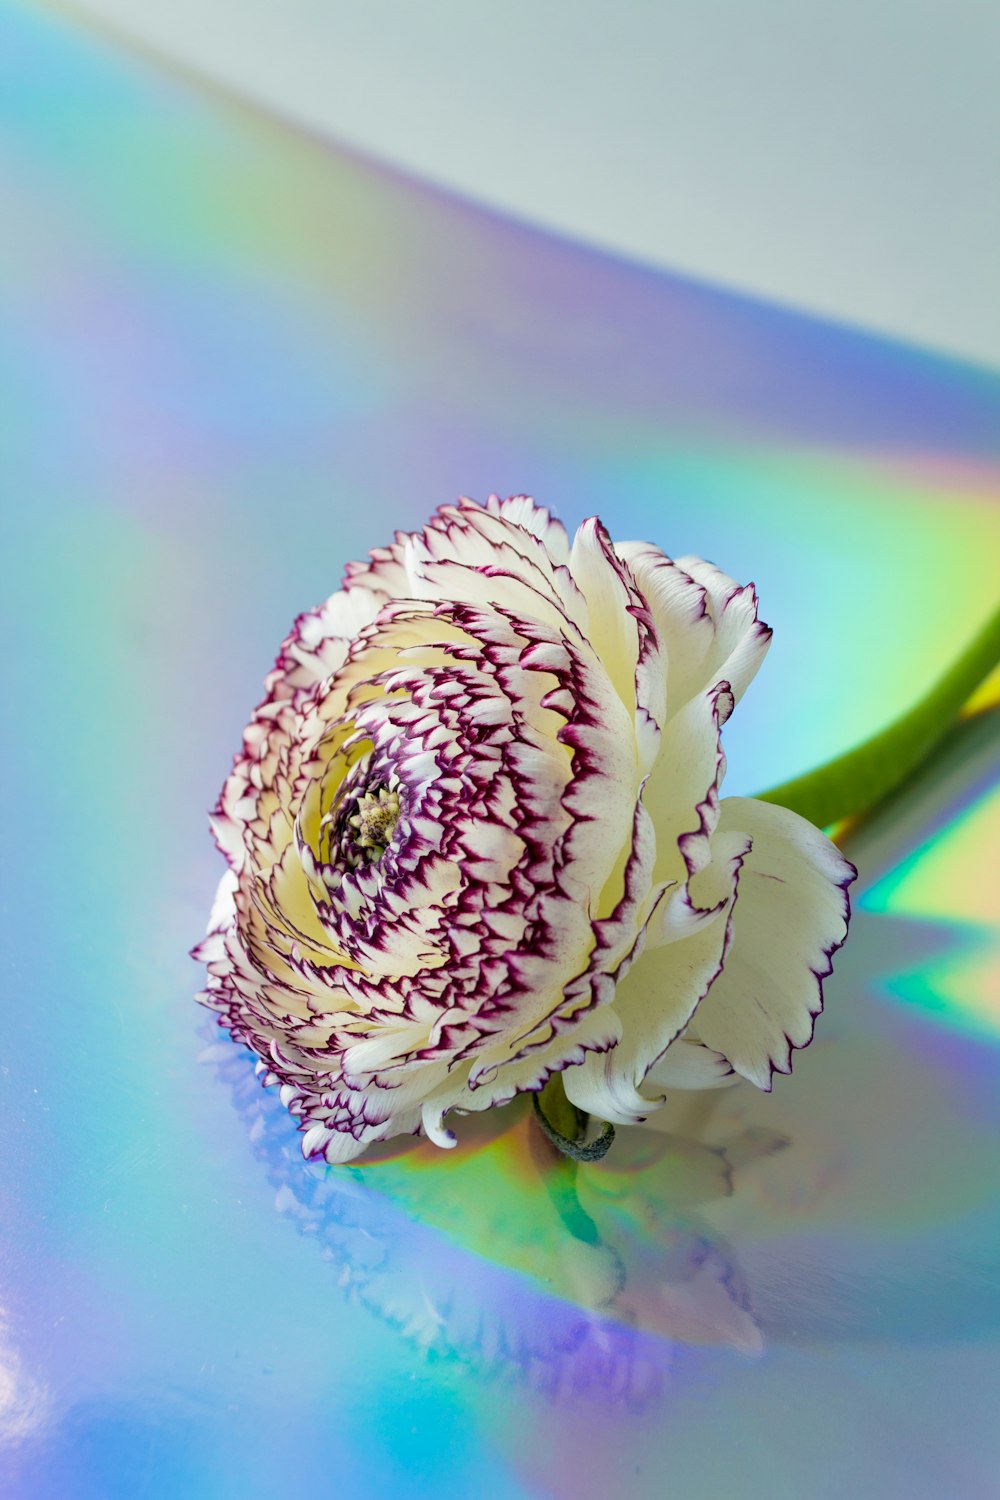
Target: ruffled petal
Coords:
[(496, 556), (658, 996), (790, 917), (689, 1064), (741, 639), (523, 511), (708, 622), (682, 791)]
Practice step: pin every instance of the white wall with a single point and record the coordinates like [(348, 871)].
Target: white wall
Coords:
[(840, 156)]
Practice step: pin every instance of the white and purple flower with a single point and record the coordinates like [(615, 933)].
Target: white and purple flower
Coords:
[(475, 838)]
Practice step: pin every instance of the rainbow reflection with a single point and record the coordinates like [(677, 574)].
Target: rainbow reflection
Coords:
[(947, 885), (234, 357)]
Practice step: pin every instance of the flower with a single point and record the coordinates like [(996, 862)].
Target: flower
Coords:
[(475, 838)]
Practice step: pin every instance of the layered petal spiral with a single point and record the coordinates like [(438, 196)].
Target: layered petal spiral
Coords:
[(474, 837)]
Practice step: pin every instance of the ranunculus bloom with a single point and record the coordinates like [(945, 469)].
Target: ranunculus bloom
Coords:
[(475, 837)]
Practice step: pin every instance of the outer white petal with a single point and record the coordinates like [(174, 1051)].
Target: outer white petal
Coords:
[(525, 512), (689, 1064), (657, 998), (320, 641), (790, 918), (340, 1146), (223, 911), (707, 622), (607, 587), (492, 1081), (679, 610), (741, 640), (682, 791), (496, 555), (384, 573)]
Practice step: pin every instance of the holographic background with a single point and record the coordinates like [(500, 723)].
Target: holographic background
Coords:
[(234, 357)]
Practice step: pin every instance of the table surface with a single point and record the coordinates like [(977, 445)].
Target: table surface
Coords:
[(233, 358)]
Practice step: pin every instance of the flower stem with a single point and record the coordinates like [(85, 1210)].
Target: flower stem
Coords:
[(853, 782), (566, 1126)]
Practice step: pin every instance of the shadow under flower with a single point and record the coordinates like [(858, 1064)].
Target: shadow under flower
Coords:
[(506, 1258)]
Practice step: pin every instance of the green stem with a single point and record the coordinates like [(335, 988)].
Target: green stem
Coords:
[(854, 782), (566, 1126)]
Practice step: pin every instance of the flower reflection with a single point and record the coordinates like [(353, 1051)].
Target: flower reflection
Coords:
[(515, 1263), (24, 1402)]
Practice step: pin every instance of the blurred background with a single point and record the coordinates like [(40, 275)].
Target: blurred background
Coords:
[(273, 283), (840, 159)]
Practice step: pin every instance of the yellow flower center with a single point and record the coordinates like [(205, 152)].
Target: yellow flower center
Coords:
[(375, 821)]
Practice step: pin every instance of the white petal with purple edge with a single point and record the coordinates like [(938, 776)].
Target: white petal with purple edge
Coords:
[(790, 917), (657, 998)]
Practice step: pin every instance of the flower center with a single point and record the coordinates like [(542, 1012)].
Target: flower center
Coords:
[(375, 821)]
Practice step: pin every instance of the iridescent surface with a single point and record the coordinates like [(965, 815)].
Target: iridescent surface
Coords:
[(232, 359)]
